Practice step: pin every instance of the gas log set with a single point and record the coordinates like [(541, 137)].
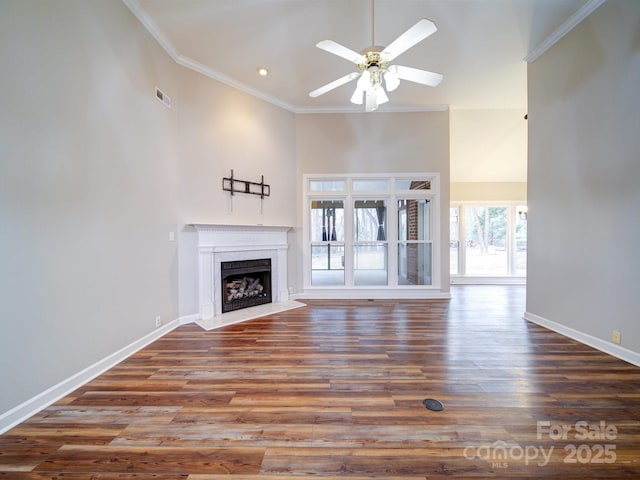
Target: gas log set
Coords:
[(243, 288), (245, 283)]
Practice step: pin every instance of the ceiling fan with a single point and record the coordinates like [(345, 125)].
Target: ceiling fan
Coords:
[(374, 65)]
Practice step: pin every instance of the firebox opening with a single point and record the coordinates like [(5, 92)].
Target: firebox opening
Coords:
[(245, 283)]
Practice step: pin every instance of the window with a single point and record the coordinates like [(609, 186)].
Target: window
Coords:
[(326, 185), (414, 242), (368, 185), (487, 241), (327, 242), (521, 244), (413, 184), (454, 240), (370, 242), (371, 231)]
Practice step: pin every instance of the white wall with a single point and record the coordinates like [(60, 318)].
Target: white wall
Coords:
[(95, 173), (489, 192), (488, 146), (584, 196), (377, 143), (87, 195), (220, 128)]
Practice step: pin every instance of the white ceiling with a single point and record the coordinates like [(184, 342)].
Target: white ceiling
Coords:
[(480, 46)]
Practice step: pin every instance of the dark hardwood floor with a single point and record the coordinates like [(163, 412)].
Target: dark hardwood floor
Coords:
[(335, 389)]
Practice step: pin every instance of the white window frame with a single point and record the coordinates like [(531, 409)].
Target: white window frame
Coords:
[(511, 277), (391, 196)]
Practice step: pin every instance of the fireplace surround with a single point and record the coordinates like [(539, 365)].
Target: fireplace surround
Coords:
[(233, 243)]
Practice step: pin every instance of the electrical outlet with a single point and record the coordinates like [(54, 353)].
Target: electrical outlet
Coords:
[(615, 337), (158, 321)]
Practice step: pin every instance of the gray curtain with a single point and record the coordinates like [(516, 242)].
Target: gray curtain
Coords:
[(380, 212)]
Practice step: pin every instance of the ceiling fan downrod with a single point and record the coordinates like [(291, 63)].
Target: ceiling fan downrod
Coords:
[(373, 26)]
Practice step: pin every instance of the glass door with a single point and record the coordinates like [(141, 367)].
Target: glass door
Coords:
[(370, 244), (414, 242), (327, 242)]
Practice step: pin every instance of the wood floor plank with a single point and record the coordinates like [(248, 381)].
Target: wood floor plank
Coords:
[(285, 415), (335, 389), (93, 476), (61, 433), (295, 477), (171, 460), (80, 415), (23, 457)]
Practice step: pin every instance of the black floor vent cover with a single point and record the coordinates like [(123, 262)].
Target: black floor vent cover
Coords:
[(433, 404)]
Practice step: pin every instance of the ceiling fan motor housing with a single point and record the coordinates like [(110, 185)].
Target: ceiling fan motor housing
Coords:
[(374, 64)]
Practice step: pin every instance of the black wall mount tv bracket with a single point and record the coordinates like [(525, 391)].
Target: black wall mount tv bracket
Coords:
[(233, 185)]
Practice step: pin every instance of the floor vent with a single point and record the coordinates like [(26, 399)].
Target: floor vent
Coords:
[(433, 404)]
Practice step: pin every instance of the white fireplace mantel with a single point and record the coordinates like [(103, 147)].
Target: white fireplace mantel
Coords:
[(224, 243)]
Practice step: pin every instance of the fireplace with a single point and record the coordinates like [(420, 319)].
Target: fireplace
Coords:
[(227, 244), (245, 283)]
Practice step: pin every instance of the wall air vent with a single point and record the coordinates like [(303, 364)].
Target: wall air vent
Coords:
[(164, 98)]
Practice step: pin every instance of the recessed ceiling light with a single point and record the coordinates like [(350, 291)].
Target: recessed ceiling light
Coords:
[(263, 71)]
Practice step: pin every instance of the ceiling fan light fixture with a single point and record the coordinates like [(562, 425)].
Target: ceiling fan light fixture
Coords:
[(374, 97), (370, 101), (391, 81), (381, 95), (364, 84), (356, 98)]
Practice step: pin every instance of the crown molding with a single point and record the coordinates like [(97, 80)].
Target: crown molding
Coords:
[(155, 31), (144, 18), (385, 109), (573, 21), (227, 80)]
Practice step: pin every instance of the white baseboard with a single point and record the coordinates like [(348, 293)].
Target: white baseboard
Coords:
[(595, 342), (188, 319), (32, 406), (373, 292), (480, 280)]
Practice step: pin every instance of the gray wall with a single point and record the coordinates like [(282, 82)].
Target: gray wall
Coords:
[(584, 169), (375, 143), (87, 197), (218, 129), (95, 173)]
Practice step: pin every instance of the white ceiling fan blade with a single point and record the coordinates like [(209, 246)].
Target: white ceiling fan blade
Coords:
[(341, 51), (408, 39), (335, 84), (423, 77)]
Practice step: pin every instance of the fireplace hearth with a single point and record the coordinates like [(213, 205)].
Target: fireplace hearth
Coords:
[(245, 283)]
